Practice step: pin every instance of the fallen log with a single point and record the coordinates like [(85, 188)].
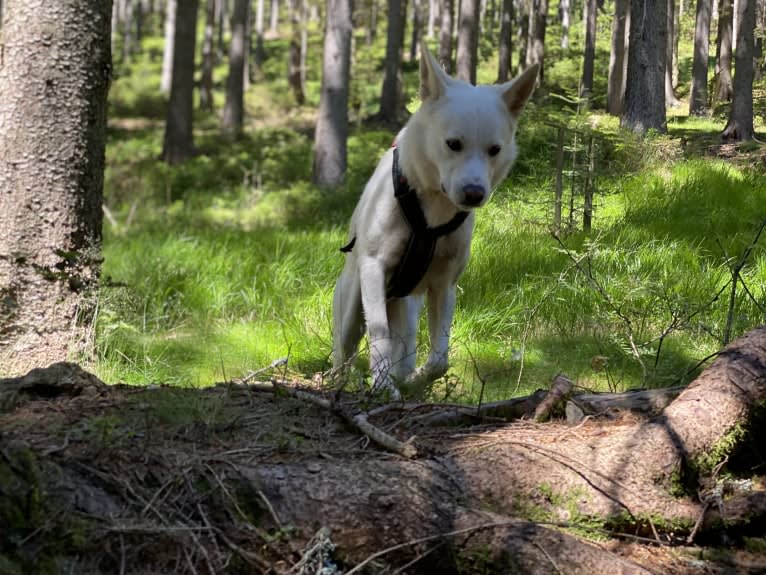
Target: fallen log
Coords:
[(213, 487)]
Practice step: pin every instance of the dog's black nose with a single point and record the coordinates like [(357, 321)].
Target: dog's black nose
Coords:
[(473, 194)]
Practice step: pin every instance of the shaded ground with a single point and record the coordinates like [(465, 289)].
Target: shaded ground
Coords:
[(99, 479)]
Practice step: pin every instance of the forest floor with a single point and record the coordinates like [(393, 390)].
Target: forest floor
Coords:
[(119, 479)]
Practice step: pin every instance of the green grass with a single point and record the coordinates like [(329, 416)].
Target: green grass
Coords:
[(228, 262)]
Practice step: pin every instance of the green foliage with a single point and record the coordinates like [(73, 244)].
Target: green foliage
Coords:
[(228, 262)]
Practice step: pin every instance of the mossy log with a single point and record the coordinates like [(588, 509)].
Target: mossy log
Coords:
[(487, 499)]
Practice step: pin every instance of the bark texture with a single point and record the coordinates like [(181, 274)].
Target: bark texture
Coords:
[(331, 135), (206, 79), (294, 67), (670, 96), (179, 137), (445, 34), (586, 81), (461, 503), (538, 18), (644, 107), (468, 40), (505, 51), (166, 79), (55, 68), (391, 105), (698, 97), (724, 86), (234, 108), (618, 61), (740, 125)]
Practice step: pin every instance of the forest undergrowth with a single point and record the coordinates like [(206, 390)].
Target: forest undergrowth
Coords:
[(224, 264)]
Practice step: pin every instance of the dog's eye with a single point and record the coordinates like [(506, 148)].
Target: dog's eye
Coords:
[(494, 150), (454, 144)]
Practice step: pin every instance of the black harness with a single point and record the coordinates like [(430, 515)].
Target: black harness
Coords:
[(422, 242)]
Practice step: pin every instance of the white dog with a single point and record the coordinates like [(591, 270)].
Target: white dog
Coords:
[(411, 230)]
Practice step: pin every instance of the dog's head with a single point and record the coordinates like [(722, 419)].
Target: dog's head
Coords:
[(468, 132)]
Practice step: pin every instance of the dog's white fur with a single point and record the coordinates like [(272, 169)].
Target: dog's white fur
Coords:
[(446, 181)]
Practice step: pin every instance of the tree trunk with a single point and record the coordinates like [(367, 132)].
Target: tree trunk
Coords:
[(206, 78), (234, 108), (670, 96), (294, 72), (166, 79), (248, 47), (564, 19), (740, 125), (467, 499), (433, 16), (330, 139), (220, 18), (468, 40), (538, 17), (446, 28), (260, 54), (586, 81), (55, 68), (372, 28), (179, 135), (618, 61), (505, 52), (417, 17), (698, 97), (274, 17), (676, 36), (644, 107), (391, 105), (523, 19), (127, 30), (724, 86)]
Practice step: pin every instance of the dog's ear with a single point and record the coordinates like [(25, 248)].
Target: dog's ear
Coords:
[(433, 79), (516, 93)]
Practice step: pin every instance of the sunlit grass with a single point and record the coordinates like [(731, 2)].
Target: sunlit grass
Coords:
[(226, 263)]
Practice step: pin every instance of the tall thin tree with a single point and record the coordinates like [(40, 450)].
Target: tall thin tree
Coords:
[(468, 40), (564, 16), (294, 71), (179, 135), (166, 77), (391, 105), (644, 107), (740, 125), (54, 79), (446, 27), (331, 135), (589, 56), (417, 24), (207, 60), (505, 51), (618, 60), (538, 18), (724, 87), (260, 52), (670, 95), (234, 107), (698, 96)]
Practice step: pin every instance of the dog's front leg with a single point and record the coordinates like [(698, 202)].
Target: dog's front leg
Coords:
[(373, 284), (441, 309)]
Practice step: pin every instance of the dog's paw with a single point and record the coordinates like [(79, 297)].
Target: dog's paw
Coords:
[(387, 390), (425, 374)]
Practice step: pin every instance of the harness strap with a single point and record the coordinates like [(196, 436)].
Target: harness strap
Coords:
[(421, 244)]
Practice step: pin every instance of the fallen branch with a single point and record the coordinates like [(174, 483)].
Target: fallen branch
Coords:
[(358, 420), (560, 388)]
